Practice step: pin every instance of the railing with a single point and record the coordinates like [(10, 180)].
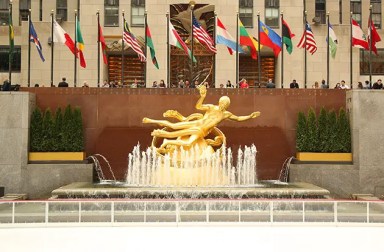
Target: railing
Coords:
[(125, 212)]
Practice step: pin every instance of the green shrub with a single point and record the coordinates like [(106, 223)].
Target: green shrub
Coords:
[(329, 133), (36, 131), (57, 133)]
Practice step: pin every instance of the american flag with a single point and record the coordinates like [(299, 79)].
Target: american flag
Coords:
[(130, 39), (202, 36), (308, 40)]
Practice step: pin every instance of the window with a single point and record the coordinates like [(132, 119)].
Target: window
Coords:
[(4, 12), (4, 56), (320, 11), (41, 10), (377, 62), (356, 10), (340, 11), (24, 6), (61, 10), (376, 13), (272, 13), (137, 12), (111, 12), (246, 12)]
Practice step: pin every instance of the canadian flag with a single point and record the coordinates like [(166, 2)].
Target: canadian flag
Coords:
[(61, 36)]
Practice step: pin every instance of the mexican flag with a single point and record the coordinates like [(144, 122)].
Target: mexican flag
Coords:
[(175, 40)]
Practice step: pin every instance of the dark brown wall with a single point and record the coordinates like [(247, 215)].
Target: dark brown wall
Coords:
[(113, 118)]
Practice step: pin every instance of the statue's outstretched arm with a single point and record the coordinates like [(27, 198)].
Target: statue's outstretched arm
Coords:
[(176, 114), (243, 118), (203, 93)]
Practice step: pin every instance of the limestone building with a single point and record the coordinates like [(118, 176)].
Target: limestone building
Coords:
[(220, 67)]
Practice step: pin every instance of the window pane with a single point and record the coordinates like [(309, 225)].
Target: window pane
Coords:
[(16, 63), (61, 4), (4, 4), (111, 12), (25, 4), (377, 65), (246, 3), (137, 12)]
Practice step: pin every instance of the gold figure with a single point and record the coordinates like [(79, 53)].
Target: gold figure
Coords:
[(196, 127)]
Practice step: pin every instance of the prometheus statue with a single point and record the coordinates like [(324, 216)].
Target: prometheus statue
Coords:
[(195, 128)]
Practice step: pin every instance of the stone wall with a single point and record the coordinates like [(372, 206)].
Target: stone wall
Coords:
[(16, 175)]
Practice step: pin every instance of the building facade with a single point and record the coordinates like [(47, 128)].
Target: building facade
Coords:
[(215, 69)]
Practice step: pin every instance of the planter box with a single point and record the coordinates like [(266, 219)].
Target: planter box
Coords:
[(324, 157), (56, 156)]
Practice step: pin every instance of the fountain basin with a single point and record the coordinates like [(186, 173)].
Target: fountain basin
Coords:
[(263, 189)]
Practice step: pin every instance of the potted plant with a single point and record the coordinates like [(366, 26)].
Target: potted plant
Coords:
[(326, 138)]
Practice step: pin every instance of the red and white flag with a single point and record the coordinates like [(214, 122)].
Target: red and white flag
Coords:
[(358, 37), (202, 36), (61, 36), (374, 35), (307, 41)]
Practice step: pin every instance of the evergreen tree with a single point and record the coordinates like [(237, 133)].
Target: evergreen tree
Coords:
[(58, 134), (344, 132), (332, 132), (323, 130), (36, 130), (78, 136), (48, 131), (313, 133), (67, 129), (301, 132)]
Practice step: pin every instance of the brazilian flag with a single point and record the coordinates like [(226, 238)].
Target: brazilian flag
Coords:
[(11, 36)]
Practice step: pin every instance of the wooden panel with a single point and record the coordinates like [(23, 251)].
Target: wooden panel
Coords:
[(133, 69)]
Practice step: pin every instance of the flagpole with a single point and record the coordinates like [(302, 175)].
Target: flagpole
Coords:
[(192, 5), (258, 48), (328, 48), (52, 47), (282, 52), (370, 46), (305, 49), (98, 48), (75, 63), (10, 56), (29, 47), (145, 46), (350, 53), (168, 51), (237, 49), (214, 56), (122, 52)]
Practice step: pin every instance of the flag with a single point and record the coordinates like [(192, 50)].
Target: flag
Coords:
[(80, 44), (307, 41), (61, 36), (175, 40), (103, 45), (33, 38), (287, 37), (358, 37), (223, 37), (332, 41), (132, 42), (247, 40), (151, 46), (374, 35), (270, 38), (11, 37), (202, 36)]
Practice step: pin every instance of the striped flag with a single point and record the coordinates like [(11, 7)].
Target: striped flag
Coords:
[(151, 46), (80, 44), (131, 40), (224, 37), (358, 37), (333, 42), (202, 36), (307, 41), (103, 45)]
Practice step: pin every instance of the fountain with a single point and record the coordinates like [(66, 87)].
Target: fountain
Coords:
[(189, 159)]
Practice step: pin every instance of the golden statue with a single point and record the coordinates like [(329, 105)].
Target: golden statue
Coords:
[(194, 129)]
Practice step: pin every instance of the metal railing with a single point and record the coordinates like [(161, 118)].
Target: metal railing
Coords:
[(125, 212)]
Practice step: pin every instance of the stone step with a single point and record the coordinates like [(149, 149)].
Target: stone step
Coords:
[(364, 197), (14, 196)]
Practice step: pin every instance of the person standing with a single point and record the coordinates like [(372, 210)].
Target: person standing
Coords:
[(294, 84), (270, 84), (63, 83)]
